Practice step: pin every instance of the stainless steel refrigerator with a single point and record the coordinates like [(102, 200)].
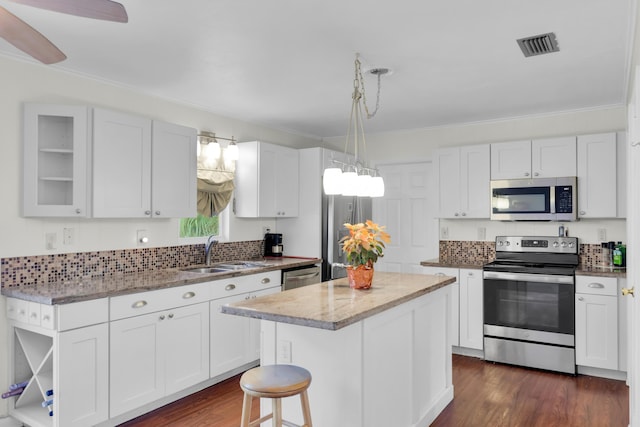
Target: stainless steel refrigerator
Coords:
[(337, 210)]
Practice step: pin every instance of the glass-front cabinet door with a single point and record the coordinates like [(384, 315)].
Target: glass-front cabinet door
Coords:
[(55, 160)]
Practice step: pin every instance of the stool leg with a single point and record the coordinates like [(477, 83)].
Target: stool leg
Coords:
[(246, 410), (306, 411), (277, 413)]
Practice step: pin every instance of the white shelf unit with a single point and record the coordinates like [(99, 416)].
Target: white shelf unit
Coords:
[(33, 362)]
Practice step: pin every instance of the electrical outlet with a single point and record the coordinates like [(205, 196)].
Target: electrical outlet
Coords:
[(51, 240), (68, 236), (444, 233), (602, 234), (266, 230), (141, 237), (284, 351), (482, 233)]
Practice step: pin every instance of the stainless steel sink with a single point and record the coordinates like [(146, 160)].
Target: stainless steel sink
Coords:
[(223, 267), (205, 270)]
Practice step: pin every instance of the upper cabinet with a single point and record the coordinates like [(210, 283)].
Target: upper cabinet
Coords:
[(129, 167), (142, 168), (601, 176), (266, 180), (463, 175), (56, 140), (538, 158)]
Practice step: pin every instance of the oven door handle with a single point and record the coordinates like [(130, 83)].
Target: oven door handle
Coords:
[(526, 277)]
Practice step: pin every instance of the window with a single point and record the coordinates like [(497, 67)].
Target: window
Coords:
[(200, 226)]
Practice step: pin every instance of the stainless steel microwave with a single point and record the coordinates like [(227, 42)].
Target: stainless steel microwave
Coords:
[(537, 199)]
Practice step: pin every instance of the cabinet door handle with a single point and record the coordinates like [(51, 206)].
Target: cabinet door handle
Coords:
[(526, 174), (230, 287), (455, 214), (147, 212), (583, 213), (157, 213), (78, 211), (247, 297), (162, 317), (464, 214), (253, 296), (139, 304), (595, 285), (536, 174), (188, 295), (265, 281), (170, 315)]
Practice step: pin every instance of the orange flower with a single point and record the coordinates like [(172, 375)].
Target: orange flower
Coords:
[(365, 242)]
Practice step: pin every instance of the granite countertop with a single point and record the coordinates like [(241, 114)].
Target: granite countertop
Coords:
[(333, 305), (108, 286), (437, 263)]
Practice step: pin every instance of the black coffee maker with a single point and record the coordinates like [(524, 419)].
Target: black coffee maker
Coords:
[(273, 244)]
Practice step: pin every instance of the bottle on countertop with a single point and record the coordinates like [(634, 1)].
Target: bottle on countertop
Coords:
[(619, 255), (606, 254)]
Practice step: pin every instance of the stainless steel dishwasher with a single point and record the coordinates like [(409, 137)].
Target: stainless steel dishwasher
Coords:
[(301, 276)]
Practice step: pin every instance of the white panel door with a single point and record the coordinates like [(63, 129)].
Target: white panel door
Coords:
[(553, 157), (447, 176), (83, 376), (408, 209), (597, 331), (471, 309), (230, 337), (173, 171), (475, 177), (185, 342), (511, 160), (121, 165), (597, 196)]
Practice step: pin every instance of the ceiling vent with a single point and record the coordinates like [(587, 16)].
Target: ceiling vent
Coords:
[(538, 45)]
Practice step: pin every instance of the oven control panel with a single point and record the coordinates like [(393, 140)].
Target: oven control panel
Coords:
[(550, 244)]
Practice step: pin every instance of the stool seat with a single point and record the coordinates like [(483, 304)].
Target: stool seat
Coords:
[(275, 382)]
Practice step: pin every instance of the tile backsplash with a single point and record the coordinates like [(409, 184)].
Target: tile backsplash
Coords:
[(29, 270), (472, 252)]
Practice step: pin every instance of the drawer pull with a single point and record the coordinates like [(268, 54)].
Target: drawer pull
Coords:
[(139, 304), (595, 285), (230, 287), (188, 295), (265, 281), (34, 315), (46, 318)]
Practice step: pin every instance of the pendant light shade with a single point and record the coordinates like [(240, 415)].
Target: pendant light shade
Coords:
[(377, 186), (331, 181), (231, 152), (349, 183)]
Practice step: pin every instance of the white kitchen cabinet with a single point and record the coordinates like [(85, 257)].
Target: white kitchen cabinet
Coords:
[(463, 175), (56, 141), (471, 309), (597, 322), (142, 168), (597, 176), (266, 180), (157, 354), (235, 340), (455, 298), (538, 158), (62, 349)]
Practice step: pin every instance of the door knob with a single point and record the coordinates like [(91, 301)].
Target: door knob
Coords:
[(627, 291)]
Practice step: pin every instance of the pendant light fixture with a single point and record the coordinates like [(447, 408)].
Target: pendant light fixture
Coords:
[(356, 178), (210, 150)]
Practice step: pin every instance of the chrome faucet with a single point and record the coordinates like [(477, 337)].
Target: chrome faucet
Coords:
[(211, 241)]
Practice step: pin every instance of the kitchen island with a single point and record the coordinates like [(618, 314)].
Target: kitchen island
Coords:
[(378, 357)]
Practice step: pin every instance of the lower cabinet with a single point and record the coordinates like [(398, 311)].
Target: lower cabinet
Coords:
[(471, 309), (235, 340), (597, 322), (61, 352), (157, 354), (455, 298)]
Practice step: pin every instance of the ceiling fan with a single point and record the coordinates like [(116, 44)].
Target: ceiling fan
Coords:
[(27, 39)]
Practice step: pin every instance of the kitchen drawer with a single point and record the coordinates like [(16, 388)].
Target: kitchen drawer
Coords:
[(81, 314), (163, 299), (243, 284), (18, 310), (597, 285)]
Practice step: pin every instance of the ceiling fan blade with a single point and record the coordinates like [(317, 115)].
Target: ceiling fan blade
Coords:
[(24, 37), (106, 10)]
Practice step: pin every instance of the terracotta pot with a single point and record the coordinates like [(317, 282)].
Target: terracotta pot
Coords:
[(360, 277)]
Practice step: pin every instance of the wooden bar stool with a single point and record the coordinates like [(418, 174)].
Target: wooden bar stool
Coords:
[(275, 382)]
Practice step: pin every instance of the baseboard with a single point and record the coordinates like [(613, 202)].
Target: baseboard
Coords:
[(471, 352), (602, 373)]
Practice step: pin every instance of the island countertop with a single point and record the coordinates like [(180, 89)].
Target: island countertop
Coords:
[(333, 304)]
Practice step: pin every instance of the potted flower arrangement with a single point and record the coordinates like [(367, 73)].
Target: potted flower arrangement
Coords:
[(363, 246)]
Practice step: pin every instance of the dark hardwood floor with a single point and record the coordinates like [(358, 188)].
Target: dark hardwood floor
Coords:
[(486, 394)]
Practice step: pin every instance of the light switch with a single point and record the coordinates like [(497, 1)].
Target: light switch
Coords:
[(51, 240)]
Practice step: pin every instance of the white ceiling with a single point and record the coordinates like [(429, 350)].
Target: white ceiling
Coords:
[(288, 64)]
